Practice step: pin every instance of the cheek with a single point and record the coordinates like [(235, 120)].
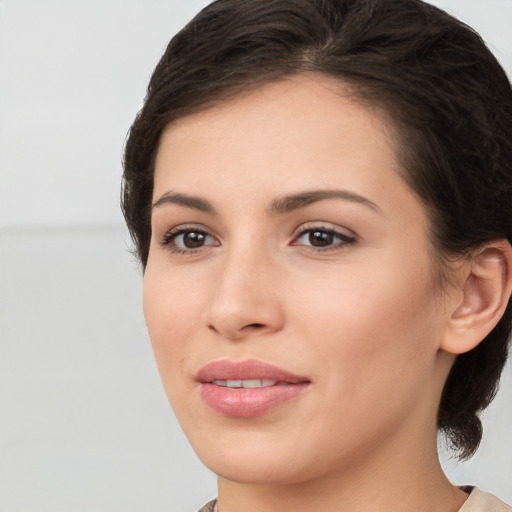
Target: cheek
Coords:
[(371, 338), (171, 308), (368, 325)]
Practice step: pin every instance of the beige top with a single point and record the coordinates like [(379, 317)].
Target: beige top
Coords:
[(478, 501)]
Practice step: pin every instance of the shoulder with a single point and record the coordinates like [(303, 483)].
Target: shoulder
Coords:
[(480, 501), (209, 507)]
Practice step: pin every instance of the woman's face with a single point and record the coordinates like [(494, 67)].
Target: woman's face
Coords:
[(288, 292)]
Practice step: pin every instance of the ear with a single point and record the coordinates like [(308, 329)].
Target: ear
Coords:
[(485, 286)]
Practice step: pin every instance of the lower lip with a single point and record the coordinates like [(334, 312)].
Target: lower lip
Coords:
[(250, 402)]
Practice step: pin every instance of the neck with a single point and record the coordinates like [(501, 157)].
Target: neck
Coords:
[(392, 481)]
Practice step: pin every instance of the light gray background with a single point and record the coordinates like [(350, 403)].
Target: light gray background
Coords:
[(84, 424)]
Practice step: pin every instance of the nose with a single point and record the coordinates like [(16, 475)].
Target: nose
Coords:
[(245, 299)]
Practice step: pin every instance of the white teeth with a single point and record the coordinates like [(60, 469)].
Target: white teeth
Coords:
[(249, 383), (255, 383)]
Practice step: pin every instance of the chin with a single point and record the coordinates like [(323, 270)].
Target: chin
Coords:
[(266, 471), (261, 458), (247, 457)]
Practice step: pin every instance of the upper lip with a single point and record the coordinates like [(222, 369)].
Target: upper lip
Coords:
[(227, 369)]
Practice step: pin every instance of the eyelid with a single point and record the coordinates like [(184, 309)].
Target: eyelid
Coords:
[(325, 226)]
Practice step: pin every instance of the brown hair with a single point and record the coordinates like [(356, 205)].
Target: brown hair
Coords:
[(448, 98)]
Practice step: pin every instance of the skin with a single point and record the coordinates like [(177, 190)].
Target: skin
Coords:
[(362, 319)]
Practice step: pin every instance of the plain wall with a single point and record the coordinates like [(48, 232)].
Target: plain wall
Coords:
[(85, 425)]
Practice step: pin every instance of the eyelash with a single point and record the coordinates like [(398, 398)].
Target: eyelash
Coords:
[(168, 240)]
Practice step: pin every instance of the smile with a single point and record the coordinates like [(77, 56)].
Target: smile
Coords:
[(246, 389)]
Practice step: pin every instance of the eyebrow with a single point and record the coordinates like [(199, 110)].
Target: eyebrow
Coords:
[(194, 202), (279, 206), (293, 202)]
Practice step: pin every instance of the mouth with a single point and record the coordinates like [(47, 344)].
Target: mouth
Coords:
[(246, 389), (246, 383)]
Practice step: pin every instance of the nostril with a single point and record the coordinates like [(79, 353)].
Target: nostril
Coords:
[(254, 326)]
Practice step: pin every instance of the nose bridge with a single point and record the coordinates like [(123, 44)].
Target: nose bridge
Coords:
[(244, 298)]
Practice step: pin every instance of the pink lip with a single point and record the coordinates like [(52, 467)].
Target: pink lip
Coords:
[(247, 402)]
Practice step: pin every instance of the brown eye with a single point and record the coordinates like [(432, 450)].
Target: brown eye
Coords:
[(323, 238), (320, 238), (184, 240), (193, 239)]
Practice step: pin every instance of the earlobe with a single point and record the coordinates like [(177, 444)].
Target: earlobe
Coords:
[(486, 286)]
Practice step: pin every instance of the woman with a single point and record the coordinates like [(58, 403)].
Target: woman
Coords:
[(320, 193)]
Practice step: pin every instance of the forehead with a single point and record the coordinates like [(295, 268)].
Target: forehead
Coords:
[(298, 126)]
